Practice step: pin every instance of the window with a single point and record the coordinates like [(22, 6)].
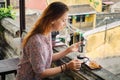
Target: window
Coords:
[(80, 18)]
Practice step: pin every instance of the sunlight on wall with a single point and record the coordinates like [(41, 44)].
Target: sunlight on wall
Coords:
[(96, 4), (97, 47)]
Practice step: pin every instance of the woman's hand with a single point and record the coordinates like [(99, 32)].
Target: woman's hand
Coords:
[(74, 64), (74, 47)]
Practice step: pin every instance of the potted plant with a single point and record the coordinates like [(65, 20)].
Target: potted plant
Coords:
[(4, 13), (7, 12)]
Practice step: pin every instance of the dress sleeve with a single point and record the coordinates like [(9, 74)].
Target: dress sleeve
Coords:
[(36, 55)]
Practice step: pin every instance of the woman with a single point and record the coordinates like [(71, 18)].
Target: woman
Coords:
[(37, 48)]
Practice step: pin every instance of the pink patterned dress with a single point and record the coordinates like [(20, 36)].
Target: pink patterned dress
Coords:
[(37, 56)]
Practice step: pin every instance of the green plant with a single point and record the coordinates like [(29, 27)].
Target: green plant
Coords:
[(90, 0), (4, 13), (7, 12), (96, 2)]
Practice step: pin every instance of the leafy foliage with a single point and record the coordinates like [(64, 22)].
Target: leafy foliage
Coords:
[(7, 12), (96, 3), (90, 0)]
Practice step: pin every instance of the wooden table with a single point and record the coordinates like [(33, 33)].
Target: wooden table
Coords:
[(8, 66), (85, 73)]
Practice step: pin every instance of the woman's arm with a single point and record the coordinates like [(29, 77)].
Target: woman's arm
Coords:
[(50, 72), (61, 54), (72, 65)]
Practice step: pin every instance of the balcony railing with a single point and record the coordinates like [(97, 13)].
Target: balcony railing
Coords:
[(22, 14)]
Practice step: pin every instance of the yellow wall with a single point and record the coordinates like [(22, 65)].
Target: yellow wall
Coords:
[(99, 47), (96, 4), (91, 18), (94, 21)]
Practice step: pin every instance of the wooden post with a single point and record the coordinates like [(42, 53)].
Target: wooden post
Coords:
[(22, 16), (8, 3)]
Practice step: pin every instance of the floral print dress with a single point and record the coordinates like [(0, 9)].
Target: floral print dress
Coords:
[(36, 57)]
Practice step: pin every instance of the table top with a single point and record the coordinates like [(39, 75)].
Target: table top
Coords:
[(8, 65), (102, 73)]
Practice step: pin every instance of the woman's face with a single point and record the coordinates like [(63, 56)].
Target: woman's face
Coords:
[(60, 23)]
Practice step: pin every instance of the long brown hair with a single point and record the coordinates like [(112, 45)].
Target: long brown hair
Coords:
[(43, 25)]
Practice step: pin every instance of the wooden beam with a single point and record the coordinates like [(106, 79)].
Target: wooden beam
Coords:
[(22, 16)]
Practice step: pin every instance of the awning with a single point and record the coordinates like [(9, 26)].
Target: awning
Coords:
[(81, 9), (108, 3)]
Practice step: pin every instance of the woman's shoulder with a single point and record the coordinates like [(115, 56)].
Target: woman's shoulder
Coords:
[(35, 38), (38, 37)]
